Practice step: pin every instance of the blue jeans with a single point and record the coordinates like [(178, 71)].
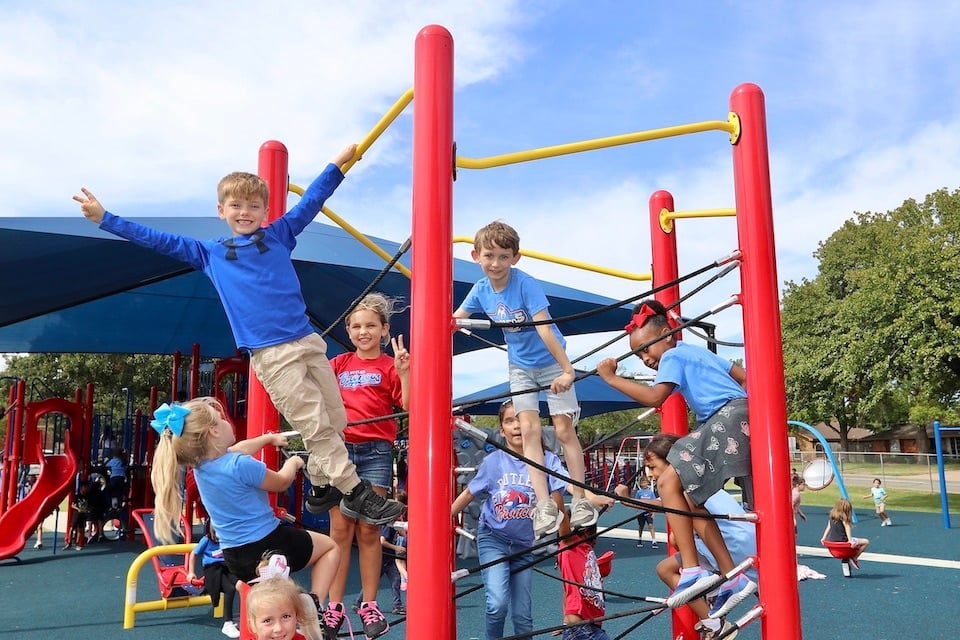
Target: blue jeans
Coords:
[(501, 587), (374, 461)]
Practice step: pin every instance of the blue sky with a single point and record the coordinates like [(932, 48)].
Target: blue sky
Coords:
[(149, 104)]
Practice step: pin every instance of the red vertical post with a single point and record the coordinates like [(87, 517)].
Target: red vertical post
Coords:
[(151, 437), (262, 416), (195, 370), (763, 353), (673, 412), (431, 304)]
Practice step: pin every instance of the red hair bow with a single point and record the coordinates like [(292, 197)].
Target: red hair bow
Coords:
[(641, 317)]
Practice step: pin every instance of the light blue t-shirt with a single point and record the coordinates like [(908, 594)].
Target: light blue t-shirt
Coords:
[(879, 493), (644, 494), (230, 488), (510, 496), (519, 301), (701, 376), (740, 536)]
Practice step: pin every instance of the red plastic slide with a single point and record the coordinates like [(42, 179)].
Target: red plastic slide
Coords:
[(55, 481)]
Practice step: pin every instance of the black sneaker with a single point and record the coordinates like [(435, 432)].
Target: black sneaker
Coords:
[(363, 503), (333, 619), (322, 499), (374, 624)]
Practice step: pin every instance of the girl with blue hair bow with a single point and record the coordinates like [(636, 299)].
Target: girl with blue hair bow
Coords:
[(233, 486)]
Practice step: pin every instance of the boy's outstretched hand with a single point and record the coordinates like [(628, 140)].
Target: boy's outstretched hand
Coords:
[(345, 156), (90, 206)]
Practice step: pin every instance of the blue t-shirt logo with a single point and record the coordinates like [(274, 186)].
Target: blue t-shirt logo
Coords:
[(355, 379), (506, 314)]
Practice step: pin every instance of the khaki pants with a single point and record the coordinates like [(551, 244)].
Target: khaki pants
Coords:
[(299, 380)]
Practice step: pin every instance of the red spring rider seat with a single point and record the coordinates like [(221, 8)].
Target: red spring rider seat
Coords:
[(844, 552)]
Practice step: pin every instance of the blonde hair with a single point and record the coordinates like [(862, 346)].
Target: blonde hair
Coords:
[(497, 233), (382, 305), (173, 453), (243, 185), (842, 511), (278, 590)]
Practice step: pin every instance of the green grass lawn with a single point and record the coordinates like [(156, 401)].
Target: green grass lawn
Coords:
[(897, 500)]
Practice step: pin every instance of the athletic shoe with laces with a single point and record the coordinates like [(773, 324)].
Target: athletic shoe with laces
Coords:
[(583, 514), (726, 631), (694, 585), (639, 544), (333, 619), (732, 593), (322, 499), (888, 523), (230, 629), (546, 518), (363, 503), (654, 545), (374, 624)]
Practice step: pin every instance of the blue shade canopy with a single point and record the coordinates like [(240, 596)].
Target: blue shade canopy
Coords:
[(70, 288)]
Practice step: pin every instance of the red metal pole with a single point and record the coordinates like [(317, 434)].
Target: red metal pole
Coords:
[(262, 416), (195, 370), (175, 381), (777, 565), (673, 412), (431, 302), (151, 445)]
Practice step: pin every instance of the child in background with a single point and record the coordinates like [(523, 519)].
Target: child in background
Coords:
[(879, 495), (697, 465), (795, 497), (644, 517), (274, 608), (372, 384), (253, 274), (216, 577), (78, 525), (505, 527), (584, 599), (233, 486), (840, 529), (536, 358)]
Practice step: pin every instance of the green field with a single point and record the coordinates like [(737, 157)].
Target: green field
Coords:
[(897, 499)]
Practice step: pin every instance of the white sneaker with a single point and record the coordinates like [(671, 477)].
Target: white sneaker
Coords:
[(888, 523), (546, 518), (883, 524), (583, 513), (230, 629), (38, 545)]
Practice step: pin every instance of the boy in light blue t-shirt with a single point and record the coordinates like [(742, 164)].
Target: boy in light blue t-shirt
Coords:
[(536, 359)]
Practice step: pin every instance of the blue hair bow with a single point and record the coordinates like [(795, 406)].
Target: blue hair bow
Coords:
[(169, 417)]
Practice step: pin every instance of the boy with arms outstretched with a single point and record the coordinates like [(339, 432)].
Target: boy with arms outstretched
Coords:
[(536, 358), (254, 276)]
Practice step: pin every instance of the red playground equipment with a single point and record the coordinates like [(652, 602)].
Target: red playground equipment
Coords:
[(843, 551), (431, 610)]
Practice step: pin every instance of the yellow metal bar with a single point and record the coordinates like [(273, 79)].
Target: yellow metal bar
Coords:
[(130, 605), (364, 240), (626, 275), (380, 127), (667, 217), (729, 126)]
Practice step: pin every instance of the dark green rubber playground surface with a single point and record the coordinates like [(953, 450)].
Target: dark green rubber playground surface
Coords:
[(79, 594)]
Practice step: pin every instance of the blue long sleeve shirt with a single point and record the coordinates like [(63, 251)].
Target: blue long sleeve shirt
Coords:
[(253, 275)]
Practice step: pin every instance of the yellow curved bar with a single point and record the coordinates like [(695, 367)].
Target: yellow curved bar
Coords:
[(380, 127), (599, 143), (667, 217), (364, 240), (130, 605), (626, 275)]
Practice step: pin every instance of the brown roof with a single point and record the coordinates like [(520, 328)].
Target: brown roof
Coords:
[(831, 432)]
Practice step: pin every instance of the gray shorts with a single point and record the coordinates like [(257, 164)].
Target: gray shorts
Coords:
[(559, 404)]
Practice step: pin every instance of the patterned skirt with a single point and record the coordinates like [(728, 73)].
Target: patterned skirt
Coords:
[(716, 450)]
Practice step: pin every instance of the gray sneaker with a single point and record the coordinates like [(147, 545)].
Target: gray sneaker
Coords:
[(583, 513), (546, 518)]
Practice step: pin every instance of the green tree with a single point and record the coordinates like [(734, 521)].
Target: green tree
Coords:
[(874, 336), (60, 374)]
